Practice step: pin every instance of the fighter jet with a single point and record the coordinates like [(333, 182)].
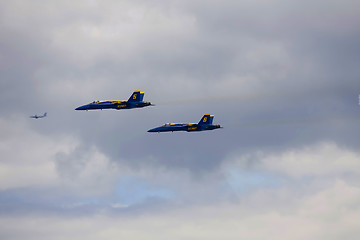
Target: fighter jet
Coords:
[(204, 124), (38, 116), (135, 101)]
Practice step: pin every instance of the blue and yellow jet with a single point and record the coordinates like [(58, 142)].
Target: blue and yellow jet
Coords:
[(204, 124), (135, 101)]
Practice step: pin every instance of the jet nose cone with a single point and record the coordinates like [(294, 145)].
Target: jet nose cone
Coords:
[(81, 108), (154, 130)]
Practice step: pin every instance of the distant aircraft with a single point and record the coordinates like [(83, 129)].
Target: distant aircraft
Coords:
[(40, 116), (204, 124), (135, 101)]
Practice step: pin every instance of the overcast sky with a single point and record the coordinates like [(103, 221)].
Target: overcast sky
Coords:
[(281, 77)]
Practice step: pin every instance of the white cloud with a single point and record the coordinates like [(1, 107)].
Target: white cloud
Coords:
[(31, 159), (329, 211), (308, 218), (120, 30), (27, 156), (321, 159)]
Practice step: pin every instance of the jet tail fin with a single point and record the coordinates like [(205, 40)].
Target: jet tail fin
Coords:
[(137, 96), (45, 114), (207, 119)]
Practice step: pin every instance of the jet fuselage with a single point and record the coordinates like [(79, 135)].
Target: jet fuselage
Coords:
[(189, 127), (113, 105), (204, 124), (135, 101)]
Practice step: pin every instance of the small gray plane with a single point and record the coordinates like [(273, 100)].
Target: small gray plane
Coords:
[(39, 116)]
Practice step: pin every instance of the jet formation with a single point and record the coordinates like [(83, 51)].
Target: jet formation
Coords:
[(135, 101), (38, 116), (204, 124)]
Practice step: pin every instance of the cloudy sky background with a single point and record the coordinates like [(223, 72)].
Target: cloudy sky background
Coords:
[(282, 77)]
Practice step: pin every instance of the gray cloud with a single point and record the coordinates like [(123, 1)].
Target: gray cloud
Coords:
[(281, 77)]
